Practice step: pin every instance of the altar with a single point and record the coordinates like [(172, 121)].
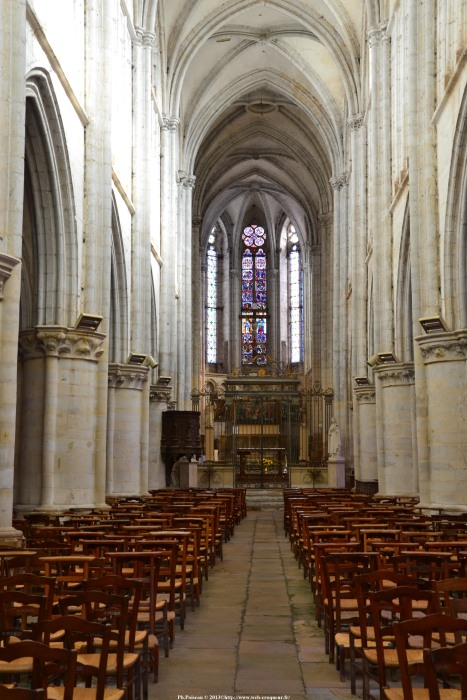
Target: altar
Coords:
[(261, 468), (265, 427), (263, 431)]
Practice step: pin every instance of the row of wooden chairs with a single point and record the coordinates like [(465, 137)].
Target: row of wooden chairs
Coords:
[(95, 625), (167, 546), (387, 589)]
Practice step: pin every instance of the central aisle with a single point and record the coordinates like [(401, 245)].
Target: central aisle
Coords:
[(254, 633)]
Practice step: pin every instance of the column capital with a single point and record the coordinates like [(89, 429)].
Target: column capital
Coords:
[(7, 264), (374, 36), (356, 121), (162, 391), (325, 221), (170, 123), (188, 181), (196, 221), (127, 376), (400, 374), (384, 34), (365, 394), (443, 347), (58, 341), (340, 181), (144, 38)]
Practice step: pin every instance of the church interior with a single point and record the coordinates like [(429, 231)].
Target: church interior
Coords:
[(232, 233)]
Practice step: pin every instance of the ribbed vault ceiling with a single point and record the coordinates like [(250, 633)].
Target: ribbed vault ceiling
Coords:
[(264, 90)]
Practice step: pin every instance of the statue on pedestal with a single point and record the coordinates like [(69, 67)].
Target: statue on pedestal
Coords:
[(334, 438)]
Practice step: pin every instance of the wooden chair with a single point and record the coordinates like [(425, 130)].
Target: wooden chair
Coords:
[(387, 607), (340, 606), (69, 571), (451, 592), (426, 567), (15, 693), (102, 607), (362, 635), (135, 639), (414, 635), (49, 665), (197, 561), (16, 561), (175, 589), (81, 637), (168, 588), (447, 662), (145, 566), (320, 550), (33, 584), (18, 611)]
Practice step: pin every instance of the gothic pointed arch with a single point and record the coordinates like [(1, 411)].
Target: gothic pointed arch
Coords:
[(404, 316), (50, 279), (455, 250), (118, 322)]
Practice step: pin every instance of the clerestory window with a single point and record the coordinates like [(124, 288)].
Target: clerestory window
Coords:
[(211, 297), (295, 284)]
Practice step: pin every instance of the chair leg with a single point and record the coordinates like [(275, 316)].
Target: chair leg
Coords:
[(340, 662), (155, 663), (353, 683)]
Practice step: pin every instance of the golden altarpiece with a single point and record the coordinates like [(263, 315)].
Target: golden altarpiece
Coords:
[(263, 424)]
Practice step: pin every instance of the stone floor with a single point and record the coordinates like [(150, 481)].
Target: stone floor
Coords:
[(254, 634)]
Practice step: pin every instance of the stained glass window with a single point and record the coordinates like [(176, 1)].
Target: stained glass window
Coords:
[(254, 297), (211, 300), (295, 298)]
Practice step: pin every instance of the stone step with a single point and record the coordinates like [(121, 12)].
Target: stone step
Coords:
[(264, 499)]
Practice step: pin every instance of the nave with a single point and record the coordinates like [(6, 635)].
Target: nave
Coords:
[(254, 633)]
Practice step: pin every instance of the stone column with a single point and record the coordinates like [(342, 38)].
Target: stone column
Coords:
[(198, 305), (235, 323), (143, 47), (185, 341), (97, 211), (209, 429), (57, 452), (374, 171), (180, 282), (130, 452), (445, 359), (382, 242), (358, 236), (52, 340), (322, 300), (339, 297), (273, 328), (169, 252), (98, 157), (366, 464), (423, 205), (160, 397), (397, 472), (12, 116), (311, 319)]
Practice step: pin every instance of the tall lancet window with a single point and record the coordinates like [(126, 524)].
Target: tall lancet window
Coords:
[(211, 298), (254, 296), (295, 282)]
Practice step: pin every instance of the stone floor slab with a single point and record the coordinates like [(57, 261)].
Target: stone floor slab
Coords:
[(254, 633)]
